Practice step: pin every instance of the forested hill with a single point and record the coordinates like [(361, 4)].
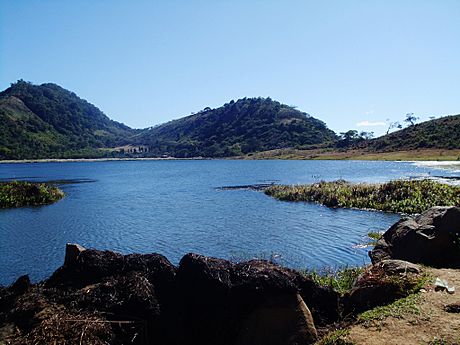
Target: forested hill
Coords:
[(47, 121), (442, 133), (245, 126)]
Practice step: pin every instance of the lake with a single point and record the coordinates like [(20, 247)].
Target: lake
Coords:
[(174, 207)]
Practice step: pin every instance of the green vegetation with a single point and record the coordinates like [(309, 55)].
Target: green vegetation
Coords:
[(341, 280), (397, 309), (442, 133), (403, 306), (402, 196), (19, 193), (237, 128), (375, 235), (47, 121)]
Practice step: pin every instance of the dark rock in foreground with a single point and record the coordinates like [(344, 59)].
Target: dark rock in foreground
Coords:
[(101, 297), (105, 297), (431, 238)]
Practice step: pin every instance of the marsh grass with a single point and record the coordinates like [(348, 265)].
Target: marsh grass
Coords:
[(21, 193), (400, 196), (341, 280), (375, 235)]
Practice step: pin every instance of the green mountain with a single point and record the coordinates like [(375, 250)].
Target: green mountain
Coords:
[(442, 133), (245, 126), (47, 121)]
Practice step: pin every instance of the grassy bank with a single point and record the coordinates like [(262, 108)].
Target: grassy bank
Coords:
[(399, 196), (20, 193)]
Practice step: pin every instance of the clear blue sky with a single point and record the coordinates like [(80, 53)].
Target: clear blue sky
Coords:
[(147, 62)]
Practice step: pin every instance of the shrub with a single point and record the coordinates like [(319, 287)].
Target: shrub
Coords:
[(20, 193)]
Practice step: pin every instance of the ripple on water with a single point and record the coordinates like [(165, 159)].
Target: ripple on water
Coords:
[(173, 208)]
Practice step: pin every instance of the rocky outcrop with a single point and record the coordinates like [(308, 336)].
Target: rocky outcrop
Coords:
[(256, 302), (382, 283), (431, 238), (103, 297)]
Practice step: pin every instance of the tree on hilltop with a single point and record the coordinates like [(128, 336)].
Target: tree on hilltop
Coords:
[(411, 118)]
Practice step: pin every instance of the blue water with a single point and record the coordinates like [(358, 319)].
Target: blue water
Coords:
[(173, 207)]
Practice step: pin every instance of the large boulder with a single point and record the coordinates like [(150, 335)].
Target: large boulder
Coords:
[(128, 295), (431, 238), (83, 267), (255, 302), (281, 319), (88, 267), (323, 301)]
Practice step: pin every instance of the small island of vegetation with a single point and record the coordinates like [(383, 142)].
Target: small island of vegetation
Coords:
[(20, 193), (400, 196)]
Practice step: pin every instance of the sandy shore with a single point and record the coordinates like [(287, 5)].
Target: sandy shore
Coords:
[(449, 165)]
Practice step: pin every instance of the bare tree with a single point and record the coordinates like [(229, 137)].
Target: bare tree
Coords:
[(392, 125), (411, 118)]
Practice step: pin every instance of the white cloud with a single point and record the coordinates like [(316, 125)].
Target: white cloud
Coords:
[(367, 123), (370, 112)]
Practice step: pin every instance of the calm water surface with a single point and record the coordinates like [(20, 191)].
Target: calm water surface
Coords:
[(173, 207)]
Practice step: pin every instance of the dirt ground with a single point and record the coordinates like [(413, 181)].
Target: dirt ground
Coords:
[(431, 325)]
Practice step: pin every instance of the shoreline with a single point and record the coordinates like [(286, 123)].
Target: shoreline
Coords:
[(72, 160), (429, 157), (422, 163)]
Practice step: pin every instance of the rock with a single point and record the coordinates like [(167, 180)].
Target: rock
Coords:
[(72, 251), (382, 283), (323, 302), (203, 276), (9, 295), (21, 285), (394, 267), (25, 310), (89, 267), (131, 296), (431, 238), (219, 299), (282, 319), (452, 308), (202, 310), (203, 301), (158, 271)]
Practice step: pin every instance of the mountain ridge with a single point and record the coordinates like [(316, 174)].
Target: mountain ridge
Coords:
[(47, 121), (238, 127)]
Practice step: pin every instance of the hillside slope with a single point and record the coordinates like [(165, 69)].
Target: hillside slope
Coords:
[(241, 127), (44, 121), (442, 133)]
